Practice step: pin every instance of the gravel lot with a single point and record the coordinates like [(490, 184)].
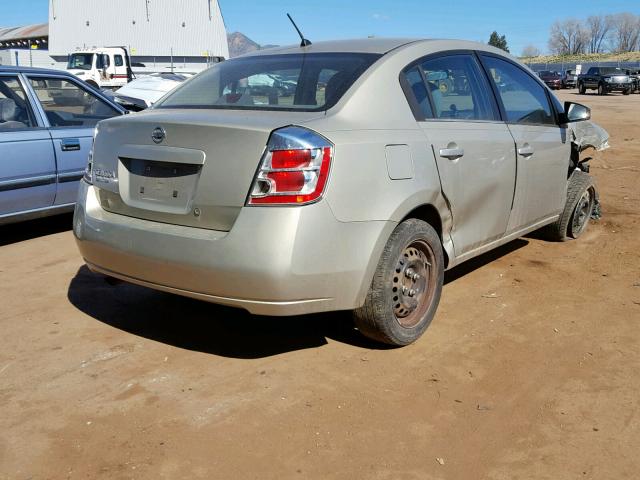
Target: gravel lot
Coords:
[(529, 370)]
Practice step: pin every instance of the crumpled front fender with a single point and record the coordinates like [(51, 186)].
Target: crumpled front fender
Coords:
[(588, 134)]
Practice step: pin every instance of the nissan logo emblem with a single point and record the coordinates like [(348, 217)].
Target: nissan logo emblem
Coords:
[(158, 134)]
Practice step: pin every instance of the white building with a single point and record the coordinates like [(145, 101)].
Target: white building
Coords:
[(189, 32)]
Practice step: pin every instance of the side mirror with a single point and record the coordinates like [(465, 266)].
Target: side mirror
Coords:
[(575, 112)]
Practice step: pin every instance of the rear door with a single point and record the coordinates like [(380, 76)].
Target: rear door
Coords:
[(119, 70), (27, 161), (72, 112), (473, 148), (542, 146)]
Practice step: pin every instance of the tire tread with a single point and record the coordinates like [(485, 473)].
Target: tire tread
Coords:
[(578, 183)]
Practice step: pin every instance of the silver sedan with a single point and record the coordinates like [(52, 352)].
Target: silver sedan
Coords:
[(341, 175)]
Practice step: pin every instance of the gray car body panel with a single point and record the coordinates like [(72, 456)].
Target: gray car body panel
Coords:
[(299, 259)]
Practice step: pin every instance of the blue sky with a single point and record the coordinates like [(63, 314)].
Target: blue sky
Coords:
[(523, 22)]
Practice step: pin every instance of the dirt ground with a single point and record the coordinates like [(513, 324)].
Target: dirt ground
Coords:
[(530, 369)]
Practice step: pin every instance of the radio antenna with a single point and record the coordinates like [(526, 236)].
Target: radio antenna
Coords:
[(304, 42)]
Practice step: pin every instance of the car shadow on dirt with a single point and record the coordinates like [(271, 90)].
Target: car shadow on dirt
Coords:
[(206, 327), (22, 231), (215, 329)]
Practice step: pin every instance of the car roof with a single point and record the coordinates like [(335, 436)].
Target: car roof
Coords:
[(375, 45), (21, 69), (358, 45)]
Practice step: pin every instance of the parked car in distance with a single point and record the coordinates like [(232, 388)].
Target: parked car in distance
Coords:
[(355, 192), (553, 80), (605, 80), (569, 79), (634, 75), (145, 90), (47, 121)]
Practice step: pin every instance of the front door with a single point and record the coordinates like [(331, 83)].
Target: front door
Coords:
[(473, 148), (543, 149), (27, 161)]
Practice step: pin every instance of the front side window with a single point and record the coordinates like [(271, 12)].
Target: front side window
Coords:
[(15, 112), (524, 99), (300, 82), (457, 88), (102, 62), (68, 105), (80, 61), (118, 60)]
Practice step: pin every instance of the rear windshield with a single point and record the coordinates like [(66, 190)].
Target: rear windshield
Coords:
[(304, 82)]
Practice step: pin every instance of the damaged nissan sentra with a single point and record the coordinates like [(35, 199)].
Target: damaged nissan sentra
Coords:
[(386, 162)]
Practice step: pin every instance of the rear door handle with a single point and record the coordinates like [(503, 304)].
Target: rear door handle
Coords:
[(526, 150), (452, 152), (69, 144)]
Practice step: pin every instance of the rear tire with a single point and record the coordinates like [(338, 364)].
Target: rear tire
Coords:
[(581, 89), (581, 200), (93, 84), (406, 287), (627, 91)]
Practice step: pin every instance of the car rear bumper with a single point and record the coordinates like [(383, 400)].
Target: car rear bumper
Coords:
[(274, 261)]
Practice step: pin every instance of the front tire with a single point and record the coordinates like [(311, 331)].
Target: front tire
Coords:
[(406, 287), (627, 91), (602, 90), (581, 200)]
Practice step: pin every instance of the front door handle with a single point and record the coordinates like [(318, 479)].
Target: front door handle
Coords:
[(69, 144), (452, 152), (526, 150)]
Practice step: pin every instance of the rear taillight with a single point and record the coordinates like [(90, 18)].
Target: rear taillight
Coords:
[(293, 169), (88, 170)]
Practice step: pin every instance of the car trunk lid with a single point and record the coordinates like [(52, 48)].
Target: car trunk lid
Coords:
[(184, 167)]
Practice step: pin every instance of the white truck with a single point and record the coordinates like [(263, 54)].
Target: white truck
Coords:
[(105, 67)]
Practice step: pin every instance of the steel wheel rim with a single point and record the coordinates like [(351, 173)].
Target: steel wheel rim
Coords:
[(413, 283), (582, 212)]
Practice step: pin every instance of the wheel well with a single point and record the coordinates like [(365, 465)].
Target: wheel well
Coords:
[(429, 213)]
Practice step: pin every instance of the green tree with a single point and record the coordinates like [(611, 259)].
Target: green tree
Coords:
[(498, 41)]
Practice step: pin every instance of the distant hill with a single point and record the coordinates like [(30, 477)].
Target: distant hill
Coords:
[(239, 44)]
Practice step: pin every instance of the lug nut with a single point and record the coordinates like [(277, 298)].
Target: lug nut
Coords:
[(404, 290), (412, 292), (415, 277), (409, 273)]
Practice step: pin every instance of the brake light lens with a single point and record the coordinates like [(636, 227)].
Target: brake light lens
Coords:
[(293, 170)]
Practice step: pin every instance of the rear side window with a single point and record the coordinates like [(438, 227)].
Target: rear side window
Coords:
[(304, 82), (523, 98), (118, 60), (458, 89), (418, 90)]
